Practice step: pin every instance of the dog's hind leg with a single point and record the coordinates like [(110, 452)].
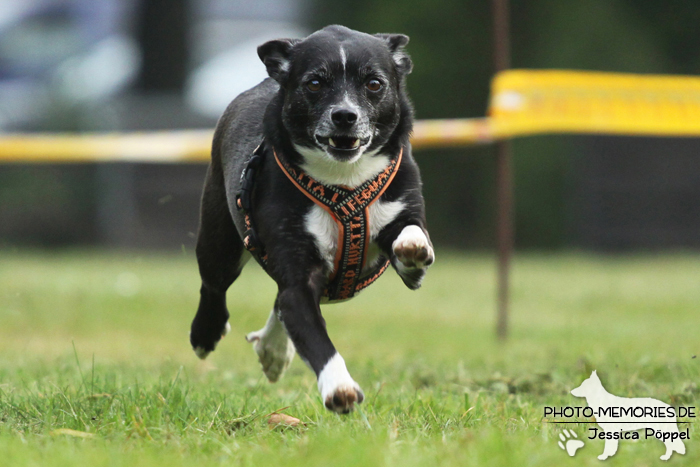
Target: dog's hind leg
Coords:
[(220, 254), (274, 348)]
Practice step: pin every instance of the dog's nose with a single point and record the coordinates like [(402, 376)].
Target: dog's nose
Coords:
[(344, 117)]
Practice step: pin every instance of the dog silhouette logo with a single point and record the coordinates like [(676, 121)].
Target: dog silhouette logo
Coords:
[(621, 417)]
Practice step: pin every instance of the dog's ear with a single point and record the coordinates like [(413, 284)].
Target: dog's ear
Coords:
[(276, 55), (396, 43)]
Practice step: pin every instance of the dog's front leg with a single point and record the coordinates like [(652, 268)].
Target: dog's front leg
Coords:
[(299, 311)]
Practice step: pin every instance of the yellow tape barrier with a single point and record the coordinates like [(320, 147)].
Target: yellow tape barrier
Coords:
[(524, 102), (160, 146), (190, 145)]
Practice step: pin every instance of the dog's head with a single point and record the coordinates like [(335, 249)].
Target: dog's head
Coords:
[(342, 90), (589, 387)]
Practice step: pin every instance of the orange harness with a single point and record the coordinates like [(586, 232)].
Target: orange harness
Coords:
[(349, 208)]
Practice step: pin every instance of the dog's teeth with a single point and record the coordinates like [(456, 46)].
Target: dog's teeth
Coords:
[(331, 142), (356, 144)]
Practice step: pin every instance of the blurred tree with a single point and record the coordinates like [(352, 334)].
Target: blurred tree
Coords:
[(674, 27), (47, 205), (162, 34)]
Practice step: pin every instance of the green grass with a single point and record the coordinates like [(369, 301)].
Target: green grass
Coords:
[(97, 343)]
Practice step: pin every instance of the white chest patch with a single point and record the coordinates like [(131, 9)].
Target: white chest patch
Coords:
[(323, 228), (325, 169)]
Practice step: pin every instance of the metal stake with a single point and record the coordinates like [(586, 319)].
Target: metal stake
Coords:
[(504, 174)]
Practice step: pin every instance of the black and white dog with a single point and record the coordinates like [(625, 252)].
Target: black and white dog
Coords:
[(336, 112)]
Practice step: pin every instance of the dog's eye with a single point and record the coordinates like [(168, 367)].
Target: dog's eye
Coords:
[(374, 85), (314, 85)]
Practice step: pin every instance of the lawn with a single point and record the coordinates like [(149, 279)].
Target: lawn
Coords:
[(96, 369)]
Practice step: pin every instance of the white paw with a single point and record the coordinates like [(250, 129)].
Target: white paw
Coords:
[(412, 248), (339, 391), (274, 348)]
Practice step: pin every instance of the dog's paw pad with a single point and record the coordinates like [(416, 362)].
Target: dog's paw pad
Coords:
[(275, 353), (569, 443), (339, 392), (413, 249), (343, 399)]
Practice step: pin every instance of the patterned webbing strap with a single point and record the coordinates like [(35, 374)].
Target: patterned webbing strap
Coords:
[(244, 202), (350, 210)]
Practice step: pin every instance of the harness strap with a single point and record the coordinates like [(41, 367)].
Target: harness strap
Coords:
[(244, 202), (350, 210)]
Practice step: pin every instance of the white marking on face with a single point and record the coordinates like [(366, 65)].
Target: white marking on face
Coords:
[(335, 376), (343, 57), (274, 347)]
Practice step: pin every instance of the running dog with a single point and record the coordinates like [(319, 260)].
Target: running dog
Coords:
[(312, 173)]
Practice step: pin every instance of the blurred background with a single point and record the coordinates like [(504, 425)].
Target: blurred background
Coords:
[(117, 65)]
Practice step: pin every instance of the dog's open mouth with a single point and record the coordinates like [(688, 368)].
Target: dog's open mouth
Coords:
[(340, 143)]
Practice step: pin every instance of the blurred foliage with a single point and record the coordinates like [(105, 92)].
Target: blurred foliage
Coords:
[(451, 50), (47, 205)]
